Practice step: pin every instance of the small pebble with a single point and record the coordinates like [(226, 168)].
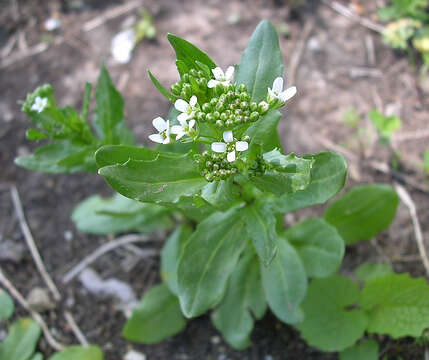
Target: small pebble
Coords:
[(134, 355), (39, 300), (52, 24), (215, 340), (68, 235), (11, 250)]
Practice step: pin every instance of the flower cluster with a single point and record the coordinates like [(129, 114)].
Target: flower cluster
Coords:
[(231, 107), (224, 107)]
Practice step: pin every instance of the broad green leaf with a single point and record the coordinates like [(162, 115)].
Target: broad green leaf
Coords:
[(367, 272), (208, 259), (363, 212), (367, 350), (79, 353), (109, 121), (261, 228), (319, 245), (220, 194), (261, 62), (34, 134), (6, 305), (264, 131), (244, 297), (397, 305), (156, 318), (288, 174), (285, 283), (37, 356), (194, 208), (149, 176), (386, 125), (328, 175), (98, 215), (21, 342), (161, 88), (328, 324), (170, 256), (189, 53)]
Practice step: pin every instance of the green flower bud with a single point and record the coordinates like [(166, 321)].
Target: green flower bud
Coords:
[(244, 96), (223, 116), (209, 164), (216, 115), (242, 88), (230, 94), (205, 153), (210, 118), (219, 123), (185, 78), (263, 107), (246, 119), (254, 116), (246, 138), (193, 73), (214, 101), (187, 89), (200, 74), (209, 177), (176, 88), (201, 116), (219, 89), (222, 98), (220, 106), (230, 87), (244, 105), (238, 112), (229, 122), (238, 119), (253, 106), (206, 108), (231, 107)]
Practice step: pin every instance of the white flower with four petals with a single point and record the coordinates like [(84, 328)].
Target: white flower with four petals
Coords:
[(277, 91), (221, 147), (39, 104), (183, 129), (221, 77), (163, 127), (187, 109)]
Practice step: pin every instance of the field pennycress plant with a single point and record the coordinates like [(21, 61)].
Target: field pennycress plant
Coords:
[(219, 176)]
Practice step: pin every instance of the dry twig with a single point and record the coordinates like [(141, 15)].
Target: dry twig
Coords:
[(124, 240), (75, 328), (111, 14), (343, 10), (411, 135), (409, 203), (35, 315), (297, 53), (31, 244)]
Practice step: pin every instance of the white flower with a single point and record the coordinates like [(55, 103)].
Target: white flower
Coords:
[(221, 77), (187, 109), (221, 147), (183, 129), (278, 93), (163, 127), (39, 104)]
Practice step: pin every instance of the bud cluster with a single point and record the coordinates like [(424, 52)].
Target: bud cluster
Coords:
[(231, 107), (193, 82), (215, 166), (257, 166)]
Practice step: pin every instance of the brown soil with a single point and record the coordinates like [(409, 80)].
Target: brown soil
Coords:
[(326, 89)]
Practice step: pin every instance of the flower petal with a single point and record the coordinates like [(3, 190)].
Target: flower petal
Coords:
[(159, 124), (272, 94), (287, 94), (212, 83), (181, 105), (180, 135), (229, 73), (191, 124), (231, 156), (193, 101), (241, 145), (176, 129), (218, 73), (219, 147), (278, 85), (182, 118), (158, 138), (166, 140), (227, 136)]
